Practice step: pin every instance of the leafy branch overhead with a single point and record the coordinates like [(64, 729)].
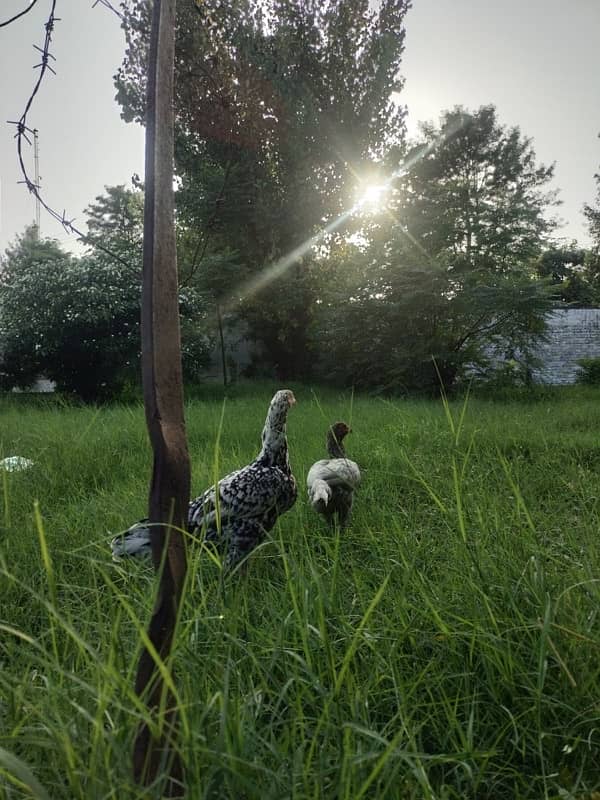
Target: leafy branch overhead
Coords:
[(293, 101), (448, 273)]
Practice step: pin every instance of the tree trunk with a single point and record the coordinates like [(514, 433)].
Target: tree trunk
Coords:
[(163, 401), (222, 342)]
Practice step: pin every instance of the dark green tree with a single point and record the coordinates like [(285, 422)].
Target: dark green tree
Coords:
[(592, 213), (281, 108), (115, 220), (571, 271), (445, 282), (20, 344), (476, 195), (77, 320)]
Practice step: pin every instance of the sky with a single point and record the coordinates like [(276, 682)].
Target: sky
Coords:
[(536, 60), (83, 143)]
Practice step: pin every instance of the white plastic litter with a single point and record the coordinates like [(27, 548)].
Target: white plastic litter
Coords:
[(15, 463)]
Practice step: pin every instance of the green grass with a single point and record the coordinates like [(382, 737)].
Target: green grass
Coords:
[(446, 646)]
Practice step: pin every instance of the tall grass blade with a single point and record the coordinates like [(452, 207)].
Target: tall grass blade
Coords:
[(19, 770)]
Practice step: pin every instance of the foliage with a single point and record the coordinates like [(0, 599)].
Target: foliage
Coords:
[(475, 194), (589, 372), (592, 213), (283, 111), (427, 652), (76, 320), (574, 274), (279, 106), (116, 221), (443, 284), (507, 376)]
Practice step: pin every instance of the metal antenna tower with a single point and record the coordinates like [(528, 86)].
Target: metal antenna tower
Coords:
[(36, 157)]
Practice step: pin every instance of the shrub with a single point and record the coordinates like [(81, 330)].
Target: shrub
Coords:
[(589, 372), (77, 321)]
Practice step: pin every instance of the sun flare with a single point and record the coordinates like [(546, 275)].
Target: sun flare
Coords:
[(373, 196)]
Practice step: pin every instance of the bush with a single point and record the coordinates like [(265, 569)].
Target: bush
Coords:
[(589, 372), (77, 322)]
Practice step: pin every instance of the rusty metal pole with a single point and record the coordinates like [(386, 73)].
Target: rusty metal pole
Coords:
[(163, 402)]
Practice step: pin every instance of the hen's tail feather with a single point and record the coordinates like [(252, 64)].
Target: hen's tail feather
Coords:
[(319, 491), (135, 542)]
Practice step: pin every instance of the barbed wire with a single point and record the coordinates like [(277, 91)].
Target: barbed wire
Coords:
[(20, 14), (24, 131), (110, 7)]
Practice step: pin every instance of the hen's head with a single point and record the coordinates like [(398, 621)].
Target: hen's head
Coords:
[(281, 403), (284, 398), (340, 429), (335, 437)]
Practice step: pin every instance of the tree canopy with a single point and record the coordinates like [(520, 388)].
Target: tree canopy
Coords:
[(76, 320), (445, 279), (281, 109), (573, 273), (592, 213), (474, 194)]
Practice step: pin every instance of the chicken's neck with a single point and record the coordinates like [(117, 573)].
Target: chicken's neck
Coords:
[(274, 451), (335, 448)]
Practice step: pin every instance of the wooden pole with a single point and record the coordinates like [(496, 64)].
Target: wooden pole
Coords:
[(163, 402)]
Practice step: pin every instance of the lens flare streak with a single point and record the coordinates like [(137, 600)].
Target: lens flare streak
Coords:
[(372, 194)]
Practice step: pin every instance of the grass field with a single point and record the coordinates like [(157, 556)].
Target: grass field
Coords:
[(446, 646)]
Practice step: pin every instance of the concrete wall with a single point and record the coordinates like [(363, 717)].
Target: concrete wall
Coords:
[(572, 334)]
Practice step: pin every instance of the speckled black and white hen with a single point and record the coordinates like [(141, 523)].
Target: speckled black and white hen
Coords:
[(242, 507), (331, 482)]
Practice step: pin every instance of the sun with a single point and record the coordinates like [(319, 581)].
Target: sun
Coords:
[(372, 196)]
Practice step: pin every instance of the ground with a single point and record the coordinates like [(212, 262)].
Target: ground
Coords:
[(445, 646)]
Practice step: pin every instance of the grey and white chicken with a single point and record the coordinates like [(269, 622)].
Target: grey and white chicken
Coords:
[(242, 507), (332, 481)]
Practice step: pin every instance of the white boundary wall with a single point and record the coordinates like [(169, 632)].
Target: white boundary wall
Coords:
[(572, 333)]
